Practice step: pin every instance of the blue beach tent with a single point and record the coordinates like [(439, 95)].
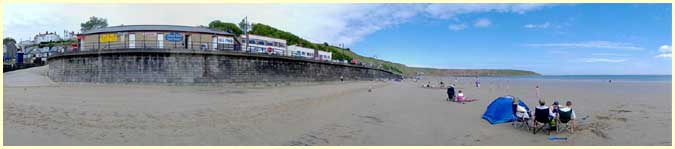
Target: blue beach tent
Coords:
[(501, 110)]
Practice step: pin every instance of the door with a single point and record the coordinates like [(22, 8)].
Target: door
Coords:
[(160, 41), (132, 41), (187, 42), (214, 41)]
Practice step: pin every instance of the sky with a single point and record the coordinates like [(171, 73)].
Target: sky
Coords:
[(551, 39)]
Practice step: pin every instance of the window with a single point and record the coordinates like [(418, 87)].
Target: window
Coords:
[(270, 43), (132, 40), (260, 42), (214, 42), (251, 41), (160, 40)]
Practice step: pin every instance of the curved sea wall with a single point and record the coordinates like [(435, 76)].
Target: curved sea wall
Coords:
[(198, 67)]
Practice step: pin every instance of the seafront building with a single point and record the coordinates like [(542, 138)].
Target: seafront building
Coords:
[(324, 56), (298, 51), (263, 44), (157, 37)]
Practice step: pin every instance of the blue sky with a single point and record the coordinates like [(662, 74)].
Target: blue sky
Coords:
[(552, 39), (564, 39)]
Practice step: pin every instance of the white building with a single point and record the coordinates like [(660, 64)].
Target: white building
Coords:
[(69, 35), (297, 51), (262, 44), (325, 56), (46, 37)]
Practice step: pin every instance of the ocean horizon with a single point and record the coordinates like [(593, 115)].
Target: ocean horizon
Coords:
[(614, 78)]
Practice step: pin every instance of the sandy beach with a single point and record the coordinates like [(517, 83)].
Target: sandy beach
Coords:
[(40, 112)]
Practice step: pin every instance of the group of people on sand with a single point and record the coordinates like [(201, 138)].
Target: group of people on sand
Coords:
[(457, 97), (549, 115)]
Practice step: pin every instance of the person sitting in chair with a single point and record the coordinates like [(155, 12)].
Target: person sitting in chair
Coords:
[(541, 115), (553, 113), (567, 115), (520, 111)]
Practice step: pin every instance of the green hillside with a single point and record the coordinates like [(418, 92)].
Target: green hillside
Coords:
[(338, 53), (473, 72), (347, 54)]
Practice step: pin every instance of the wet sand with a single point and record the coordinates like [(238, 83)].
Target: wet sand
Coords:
[(40, 112)]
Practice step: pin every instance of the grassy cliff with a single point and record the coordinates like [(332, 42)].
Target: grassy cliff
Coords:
[(347, 54), (474, 72)]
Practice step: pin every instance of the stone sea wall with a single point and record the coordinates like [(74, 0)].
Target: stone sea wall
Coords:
[(198, 67)]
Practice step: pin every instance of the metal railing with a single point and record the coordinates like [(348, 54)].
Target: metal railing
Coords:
[(196, 46), (156, 44)]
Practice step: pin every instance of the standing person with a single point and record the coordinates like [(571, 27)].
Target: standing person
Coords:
[(537, 89), (342, 78), (451, 93), (477, 82)]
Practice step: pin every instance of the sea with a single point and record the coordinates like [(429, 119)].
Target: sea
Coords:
[(605, 78)]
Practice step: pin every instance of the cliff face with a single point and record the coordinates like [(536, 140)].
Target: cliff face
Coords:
[(473, 72)]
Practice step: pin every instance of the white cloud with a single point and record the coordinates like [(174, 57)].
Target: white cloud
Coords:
[(534, 26), (332, 23), (665, 51), (456, 27), (451, 10), (607, 54), (482, 23), (589, 44), (604, 60)]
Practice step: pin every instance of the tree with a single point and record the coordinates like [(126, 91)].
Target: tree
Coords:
[(8, 40), (93, 23), (225, 26)]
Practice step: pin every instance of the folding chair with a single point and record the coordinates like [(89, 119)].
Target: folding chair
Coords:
[(541, 117)]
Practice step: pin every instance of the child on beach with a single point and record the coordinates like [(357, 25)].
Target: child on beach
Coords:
[(554, 109), (462, 99), (460, 96)]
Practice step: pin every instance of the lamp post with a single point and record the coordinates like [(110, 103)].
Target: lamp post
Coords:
[(245, 26)]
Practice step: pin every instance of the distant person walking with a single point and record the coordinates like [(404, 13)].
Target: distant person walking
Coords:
[(537, 90), (477, 82), (342, 78)]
